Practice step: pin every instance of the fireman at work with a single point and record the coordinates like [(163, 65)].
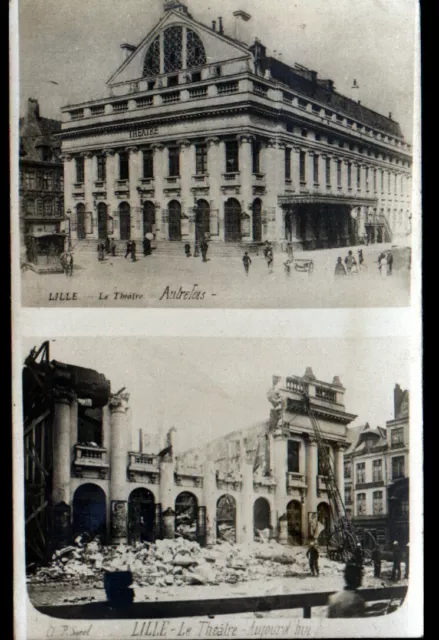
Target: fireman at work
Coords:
[(313, 556)]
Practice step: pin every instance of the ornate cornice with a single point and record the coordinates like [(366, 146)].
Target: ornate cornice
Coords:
[(184, 143), (213, 141), (119, 401), (109, 152), (133, 149), (63, 395)]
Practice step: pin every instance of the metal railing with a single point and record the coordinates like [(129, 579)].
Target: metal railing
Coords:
[(213, 607)]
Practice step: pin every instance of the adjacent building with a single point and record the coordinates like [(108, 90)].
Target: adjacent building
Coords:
[(203, 134), (84, 474), (376, 473), (41, 189)]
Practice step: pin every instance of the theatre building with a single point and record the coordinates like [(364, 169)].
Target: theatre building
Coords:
[(83, 474), (203, 133)]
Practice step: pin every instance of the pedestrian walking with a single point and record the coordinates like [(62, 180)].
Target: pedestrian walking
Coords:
[(389, 263), (128, 249), (187, 250), (339, 267), (358, 555), (196, 250), (376, 559), (407, 555), (112, 247), (247, 262), (101, 251), (361, 263), (288, 264), (69, 263), (204, 246), (396, 557), (348, 603), (290, 251), (349, 262), (133, 251), (270, 259), (146, 246), (313, 557), (107, 245), (382, 265), (266, 248)]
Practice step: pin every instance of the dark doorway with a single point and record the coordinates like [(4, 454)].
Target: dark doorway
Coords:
[(226, 518), (261, 516), (141, 513), (202, 220), (288, 225), (294, 517), (125, 221), (174, 209), (148, 217), (232, 220), (89, 511), (323, 517), (257, 220), (80, 221), (186, 505), (102, 221)]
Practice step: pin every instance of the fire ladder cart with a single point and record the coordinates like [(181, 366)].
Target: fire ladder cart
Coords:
[(342, 542)]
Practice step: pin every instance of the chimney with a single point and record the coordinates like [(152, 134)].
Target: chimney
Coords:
[(309, 374), (140, 440), (397, 399), (355, 91), (213, 25), (127, 49), (33, 108), (220, 25), (390, 115), (240, 17)]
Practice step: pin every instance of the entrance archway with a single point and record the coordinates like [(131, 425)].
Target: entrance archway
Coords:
[(89, 511), (80, 221), (226, 518), (324, 520), (257, 220), (148, 217), (232, 220), (202, 220), (102, 221), (294, 518), (125, 221), (261, 516), (186, 506), (141, 511), (174, 219)]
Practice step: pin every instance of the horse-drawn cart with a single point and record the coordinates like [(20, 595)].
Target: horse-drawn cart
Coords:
[(304, 265)]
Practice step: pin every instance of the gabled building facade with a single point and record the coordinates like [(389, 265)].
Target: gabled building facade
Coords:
[(41, 188), (203, 135), (376, 476)]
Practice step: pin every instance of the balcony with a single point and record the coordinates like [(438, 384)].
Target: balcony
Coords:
[(229, 480), (144, 102), (98, 110), (144, 467), (397, 445), (195, 94), (297, 385), (369, 485), (118, 107), (260, 89), (296, 480), (77, 114), (171, 98), (89, 458), (326, 394), (225, 88), (188, 478)]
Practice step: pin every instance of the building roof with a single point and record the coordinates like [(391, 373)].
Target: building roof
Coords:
[(364, 439), (36, 133)]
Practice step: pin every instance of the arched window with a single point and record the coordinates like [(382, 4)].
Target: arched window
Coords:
[(48, 208), (196, 56), (173, 49), (151, 66)]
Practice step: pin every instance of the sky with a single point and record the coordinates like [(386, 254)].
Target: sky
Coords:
[(207, 387), (77, 44)]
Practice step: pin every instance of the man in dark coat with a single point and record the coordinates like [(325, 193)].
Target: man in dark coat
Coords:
[(146, 246), (313, 557), (133, 251), (376, 559), (128, 249), (339, 268), (247, 262), (348, 603), (204, 247), (396, 569)]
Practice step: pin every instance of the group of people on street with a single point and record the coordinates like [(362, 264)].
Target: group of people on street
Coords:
[(351, 265), (106, 247), (385, 263), (268, 255), (131, 250), (203, 246)]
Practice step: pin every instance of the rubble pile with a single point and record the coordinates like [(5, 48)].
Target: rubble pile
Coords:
[(176, 562)]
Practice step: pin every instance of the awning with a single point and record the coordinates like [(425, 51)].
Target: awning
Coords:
[(322, 198), (43, 234)]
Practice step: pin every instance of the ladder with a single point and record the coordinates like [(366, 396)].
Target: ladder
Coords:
[(335, 500)]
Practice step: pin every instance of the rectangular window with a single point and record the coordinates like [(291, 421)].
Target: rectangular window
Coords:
[(348, 495), (377, 503), (397, 437), (172, 81), (358, 177), (377, 471), (302, 166), (47, 181), (361, 504), (328, 171), (256, 157), (323, 460), (374, 179), (316, 168), (174, 161), (388, 182), (293, 456), (398, 467), (367, 178), (101, 168), (339, 173), (200, 159), (287, 164), (31, 180), (347, 470), (232, 156), (79, 170), (148, 163), (349, 175), (124, 166), (361, 472), (382, 180)]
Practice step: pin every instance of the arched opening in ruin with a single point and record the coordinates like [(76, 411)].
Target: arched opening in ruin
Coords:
[(186, 506), (261, 518), (294, 519), (89, 511), (226, 518), (141, 511)]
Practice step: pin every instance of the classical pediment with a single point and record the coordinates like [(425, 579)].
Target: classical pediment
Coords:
[(217, 47)]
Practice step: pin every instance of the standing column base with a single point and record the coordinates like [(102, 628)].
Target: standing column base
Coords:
[(119, 522), (62, 525)]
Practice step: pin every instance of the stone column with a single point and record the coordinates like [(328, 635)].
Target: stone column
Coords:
[(311, 482), (273, 187), (69, 180), (118, 467), (361, 220), (160, 171), (344, 177), (246, 176), (222, 169), (295, 168), (167, 490), (106, 427), (244, 535), (214, 173), (73, 426), (88, 193), (280, 470), (187, 168), (322, 173), (135, 173), (310, 169), (339, 468), (61, 443), (209, 499), (110, 169)]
